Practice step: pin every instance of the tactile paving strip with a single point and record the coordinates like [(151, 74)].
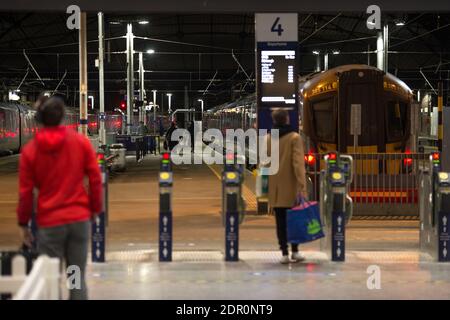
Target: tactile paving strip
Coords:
[(381, 257), (386, 217), (387, 256)]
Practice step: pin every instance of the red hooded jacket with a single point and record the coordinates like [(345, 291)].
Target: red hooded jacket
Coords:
[(56, 162)]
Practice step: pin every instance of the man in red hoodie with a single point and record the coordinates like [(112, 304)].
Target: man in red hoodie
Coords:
[(56, 162)]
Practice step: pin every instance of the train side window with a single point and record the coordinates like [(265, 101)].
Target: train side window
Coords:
[(323, 119), (396, 119)]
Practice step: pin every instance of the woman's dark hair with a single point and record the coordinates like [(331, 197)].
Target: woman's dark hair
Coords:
[(51, 112), (280, 117)]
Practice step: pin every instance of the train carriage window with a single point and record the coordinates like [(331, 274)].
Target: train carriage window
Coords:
[(323, 120), (396, 119)]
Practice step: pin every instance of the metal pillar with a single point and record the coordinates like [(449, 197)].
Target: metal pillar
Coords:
[(386, 48), (318, 63), (440, 105), (101, 76), (141, 87), (169, 95), (83, 75), (380, 51), (186, 97), (325, 62), (130, 76), (446, 139), (154, 110)]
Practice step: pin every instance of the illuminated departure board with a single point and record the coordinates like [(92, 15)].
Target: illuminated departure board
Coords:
[(277, 76)]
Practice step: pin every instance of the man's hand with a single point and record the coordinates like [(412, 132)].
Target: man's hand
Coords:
[(26, 236)]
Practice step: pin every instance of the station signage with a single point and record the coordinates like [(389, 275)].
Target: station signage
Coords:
[(276, 65)]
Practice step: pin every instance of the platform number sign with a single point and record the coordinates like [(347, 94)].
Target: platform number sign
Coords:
[(276, 27)]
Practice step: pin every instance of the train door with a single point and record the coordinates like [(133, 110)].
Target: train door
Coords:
[(365, 88)]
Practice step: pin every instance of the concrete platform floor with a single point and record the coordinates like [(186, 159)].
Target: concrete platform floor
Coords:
[(198, 270)]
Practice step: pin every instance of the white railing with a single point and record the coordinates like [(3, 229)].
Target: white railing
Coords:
[(41, 284)]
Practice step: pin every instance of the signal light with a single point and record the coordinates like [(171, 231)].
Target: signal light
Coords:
[(408, 160), (435, 155), (100, 158), (229, 158), (310, 159), (332, 156), (123, 105), (165, 158)]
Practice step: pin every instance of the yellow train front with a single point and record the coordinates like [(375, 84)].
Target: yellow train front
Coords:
[(379, 139), (385, 104)]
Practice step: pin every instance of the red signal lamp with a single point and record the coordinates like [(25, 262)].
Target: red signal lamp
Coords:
[(332, 156), (407, 162), (165, 158), (435, 155), (100, 158)]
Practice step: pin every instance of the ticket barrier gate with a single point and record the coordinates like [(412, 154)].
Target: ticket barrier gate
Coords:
[(165, 208), (336, 206), (232, 207), (99, 223), (434, 204)]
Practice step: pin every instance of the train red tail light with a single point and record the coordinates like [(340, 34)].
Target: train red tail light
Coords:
[(407, 161), (310, 159)]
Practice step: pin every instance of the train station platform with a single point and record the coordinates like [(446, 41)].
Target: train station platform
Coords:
[(198, 269)]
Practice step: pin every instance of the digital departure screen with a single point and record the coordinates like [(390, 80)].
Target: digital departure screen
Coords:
[(277, 74)]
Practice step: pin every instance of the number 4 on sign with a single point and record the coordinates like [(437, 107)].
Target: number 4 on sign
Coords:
[(276, 27)]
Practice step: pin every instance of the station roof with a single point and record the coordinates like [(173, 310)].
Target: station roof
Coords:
[(194, 52)]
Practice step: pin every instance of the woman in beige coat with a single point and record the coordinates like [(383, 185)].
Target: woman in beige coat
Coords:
[(289, 182)]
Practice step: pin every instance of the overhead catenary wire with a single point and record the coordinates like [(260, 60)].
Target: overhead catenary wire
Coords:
[(317, 30), (183, 43), (32, 67), (209, 84), (420, 35), (74, 43), (23, 79), (59, 83), (240, 66), (426, 79)]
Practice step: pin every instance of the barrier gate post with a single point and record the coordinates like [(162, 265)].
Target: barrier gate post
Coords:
[(441, 206), (335, 182), (98, 231), (434, 204), (231, 192), (165, 209)]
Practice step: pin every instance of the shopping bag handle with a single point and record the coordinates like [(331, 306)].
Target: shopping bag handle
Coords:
[(302, 200)]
